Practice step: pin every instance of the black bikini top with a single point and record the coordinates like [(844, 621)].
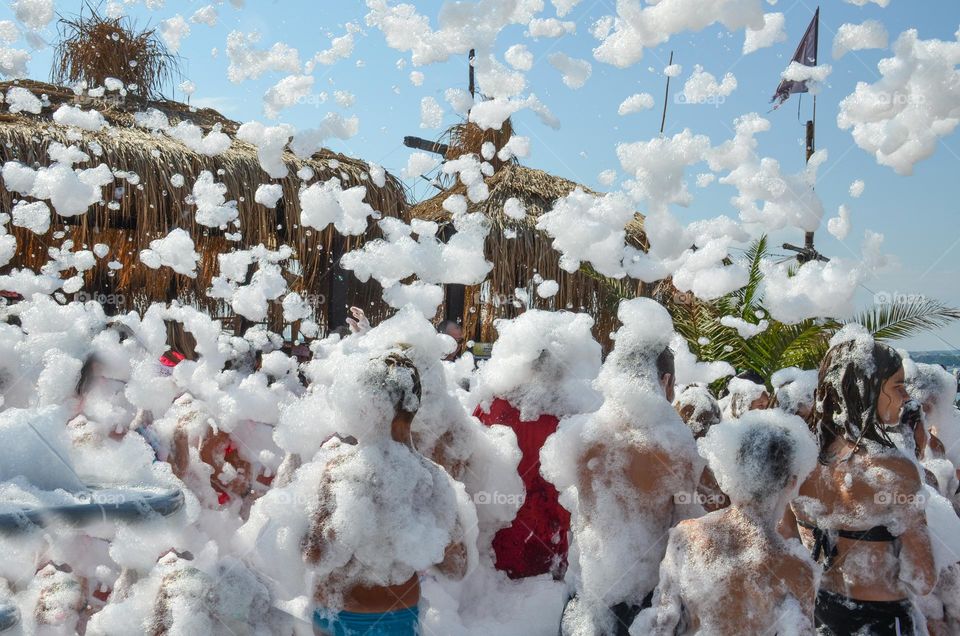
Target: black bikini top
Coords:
[(822, 543)]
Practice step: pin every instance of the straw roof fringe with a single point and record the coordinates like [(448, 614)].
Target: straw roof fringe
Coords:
[(154, 207), (530, 252)]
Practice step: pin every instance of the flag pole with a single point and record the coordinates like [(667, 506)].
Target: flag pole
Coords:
[(807, 57), (812, 126), (811, 148), (666, 98)]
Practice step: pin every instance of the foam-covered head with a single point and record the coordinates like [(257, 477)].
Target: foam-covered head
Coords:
[(542, 363), (794, 390), (370, 392), (756, 457), (849, 384), (698, 409), (641, 350), (931, 385), (747, 392)]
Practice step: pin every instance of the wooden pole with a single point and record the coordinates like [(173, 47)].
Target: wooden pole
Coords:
[(472, 82), (811, 148)]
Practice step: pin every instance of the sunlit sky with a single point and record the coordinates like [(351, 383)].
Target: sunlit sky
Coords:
[(917, 214)]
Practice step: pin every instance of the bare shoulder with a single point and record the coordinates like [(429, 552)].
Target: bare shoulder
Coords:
[(899, 465), (685, 528), (664, 460)]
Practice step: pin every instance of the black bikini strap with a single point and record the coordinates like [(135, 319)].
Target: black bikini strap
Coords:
[(876, 533), (822, 543)]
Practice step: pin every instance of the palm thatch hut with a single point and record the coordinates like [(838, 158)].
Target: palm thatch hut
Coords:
[(151, 193), (520, 252)]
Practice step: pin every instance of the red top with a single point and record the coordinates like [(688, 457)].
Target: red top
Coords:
[(171, 359), (536, 542)]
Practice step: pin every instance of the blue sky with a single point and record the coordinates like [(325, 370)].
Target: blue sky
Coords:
[(917, 214)]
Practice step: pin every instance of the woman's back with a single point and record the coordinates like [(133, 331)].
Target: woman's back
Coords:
[(855, 512)]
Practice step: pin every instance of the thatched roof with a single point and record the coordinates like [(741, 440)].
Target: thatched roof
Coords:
[(155, 206), (537, 190), (520, 251)]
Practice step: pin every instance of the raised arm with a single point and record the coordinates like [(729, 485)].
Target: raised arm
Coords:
[(454, 564), (179, 458), (456, 556)]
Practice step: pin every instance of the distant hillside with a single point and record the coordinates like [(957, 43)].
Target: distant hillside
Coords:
[(949, 359)]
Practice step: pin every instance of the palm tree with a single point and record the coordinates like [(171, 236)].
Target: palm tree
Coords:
[(781, 345)]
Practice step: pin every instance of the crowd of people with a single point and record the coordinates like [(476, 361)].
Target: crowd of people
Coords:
[(382, 481)]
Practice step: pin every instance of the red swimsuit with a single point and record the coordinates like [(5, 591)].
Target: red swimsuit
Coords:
[(536, 542)]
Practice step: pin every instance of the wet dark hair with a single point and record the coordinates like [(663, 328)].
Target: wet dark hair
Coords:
[(767, 454), (180, 340), (752, 376), (86, 375), (636, 360), (665, 364), (849, 384)]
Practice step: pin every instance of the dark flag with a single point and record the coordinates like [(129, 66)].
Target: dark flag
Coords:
[(807, 55)]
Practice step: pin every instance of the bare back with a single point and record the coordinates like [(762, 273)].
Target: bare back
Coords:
[(858, 492), (726, 574), (637, 485)]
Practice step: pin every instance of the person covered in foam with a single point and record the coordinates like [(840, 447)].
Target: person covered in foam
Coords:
[(540, 370), (794, 390), (861, 512), (382, 512), (730, 572), (700, 411), (933, 391), (628, 471), (747, 391), (936, 390)]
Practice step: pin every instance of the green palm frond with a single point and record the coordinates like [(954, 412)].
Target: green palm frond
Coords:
[(749, 295), (699, 324), (904, 319), (780, 345), (798, 345)]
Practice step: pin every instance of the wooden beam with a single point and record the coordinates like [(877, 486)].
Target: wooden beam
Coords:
[(425, 145)]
